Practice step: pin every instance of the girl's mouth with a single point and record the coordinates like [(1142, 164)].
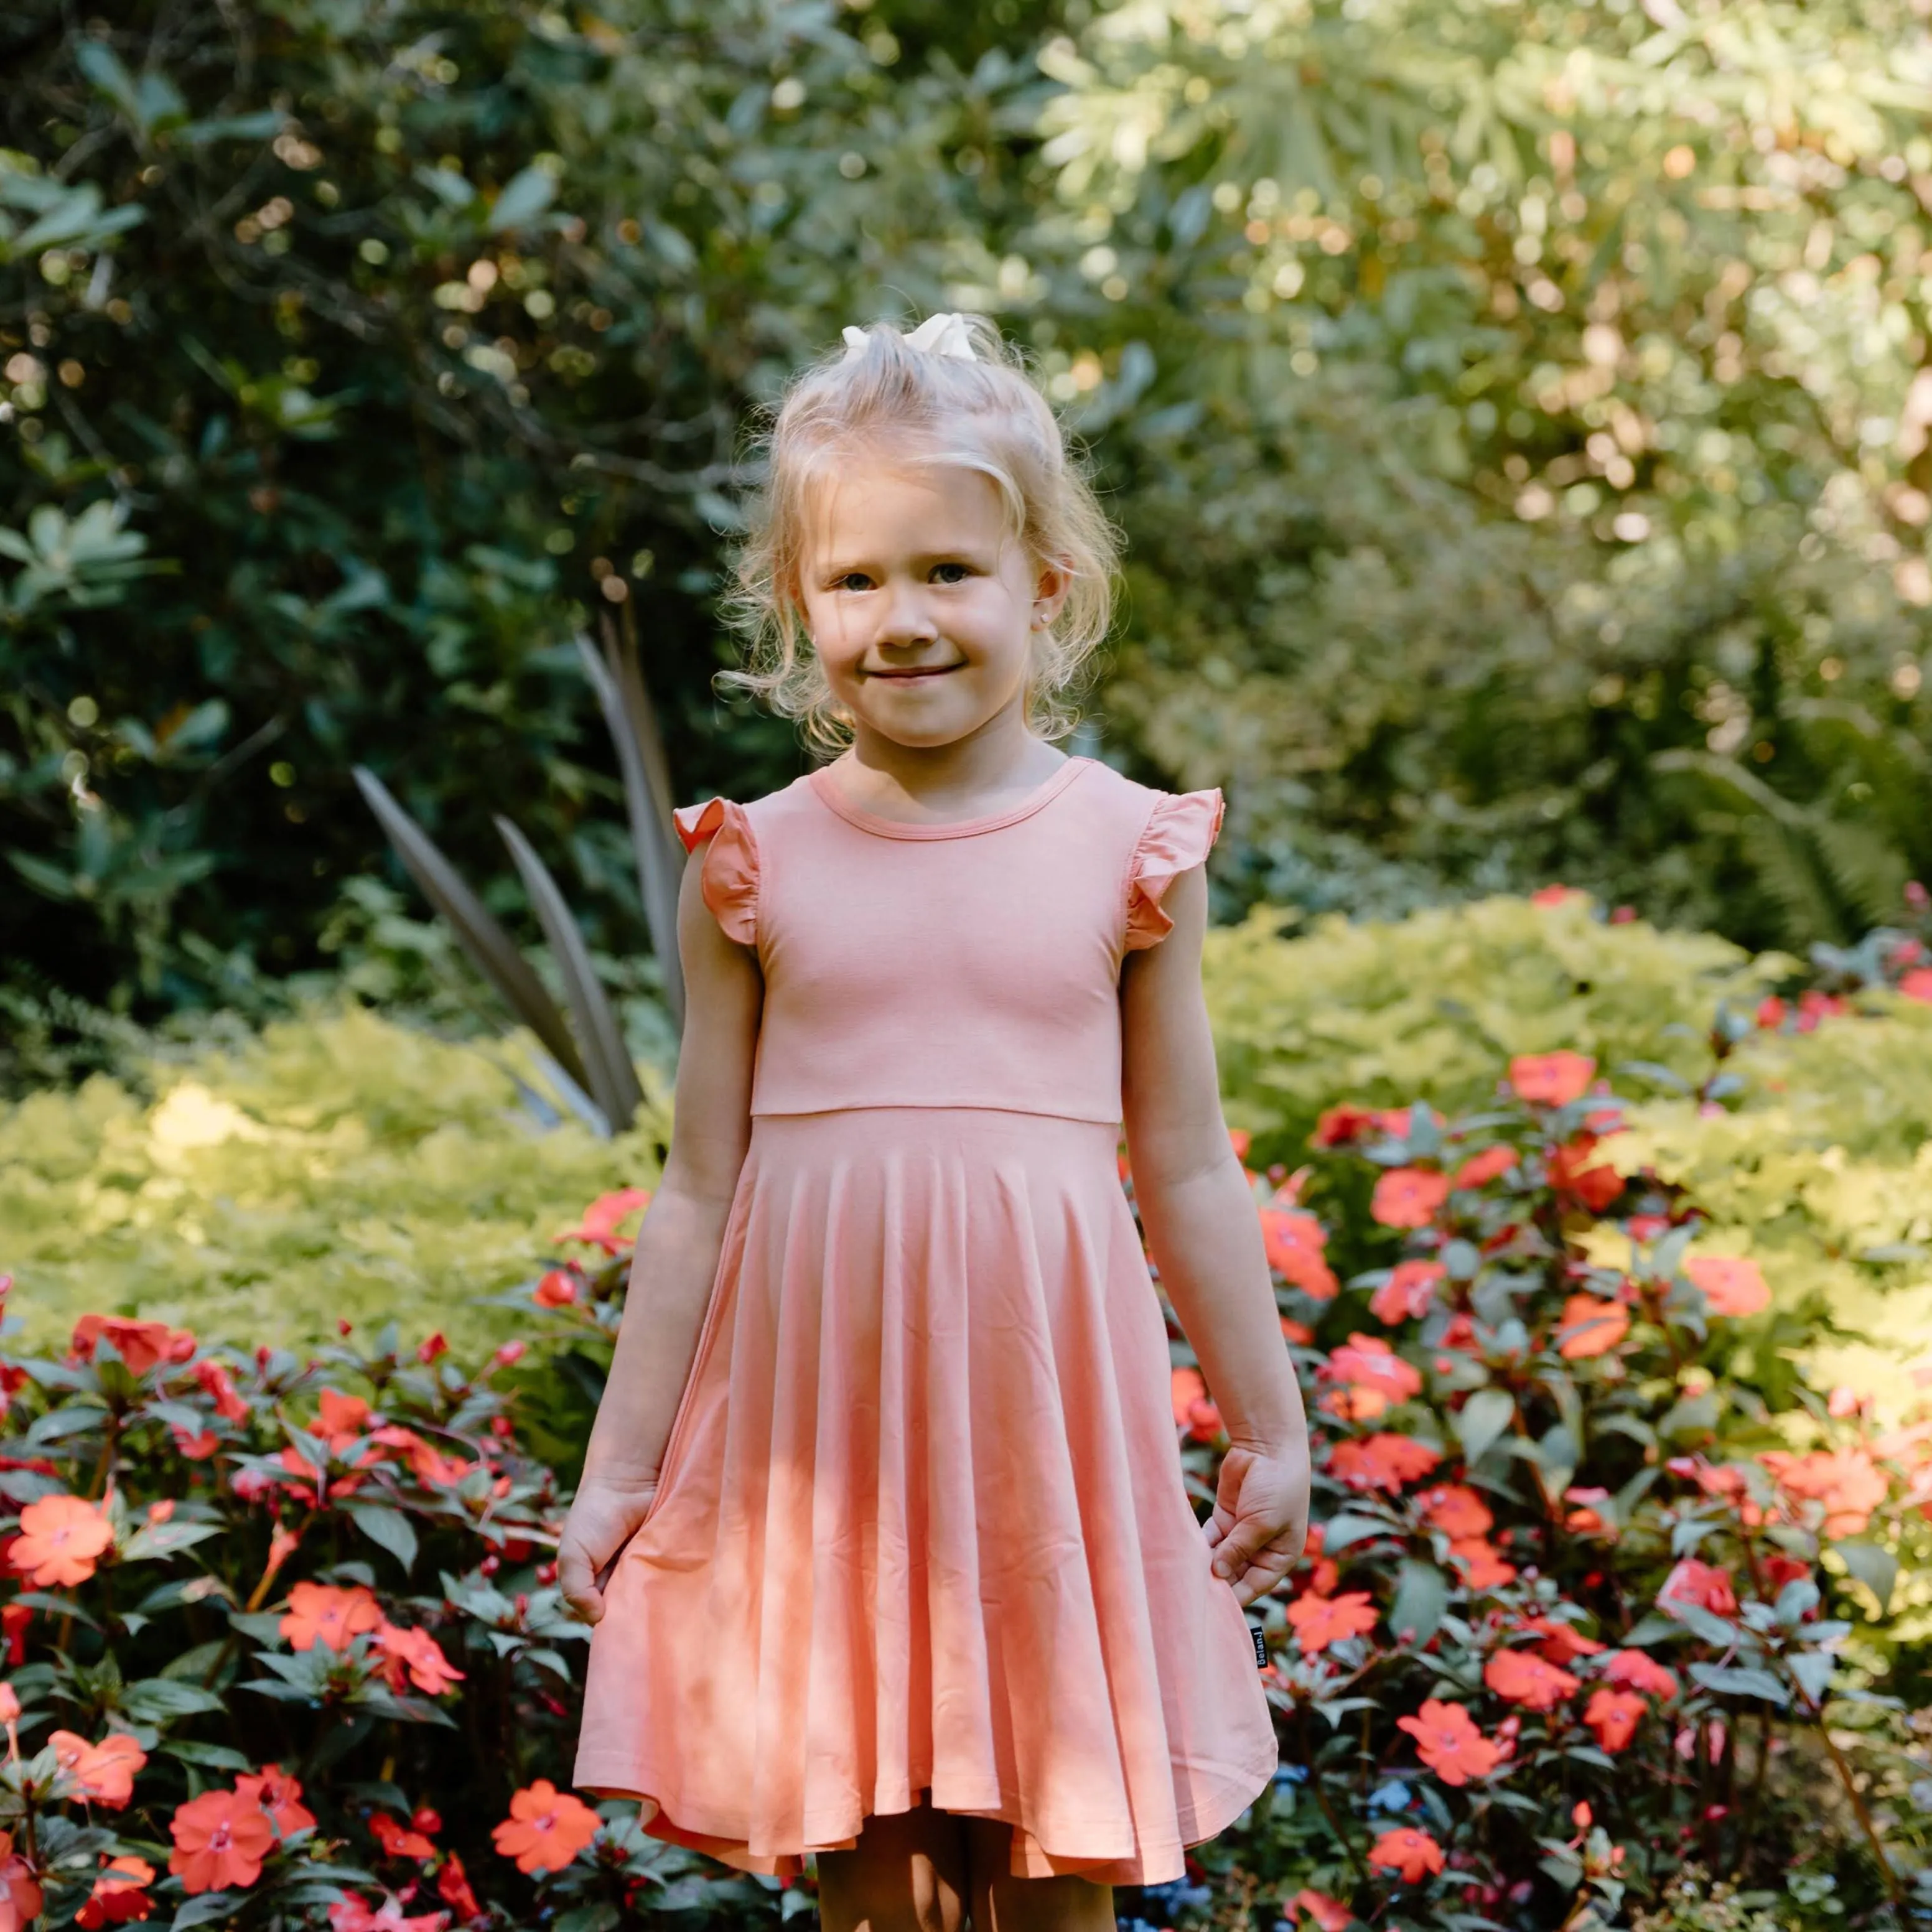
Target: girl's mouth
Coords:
[(918, 674)]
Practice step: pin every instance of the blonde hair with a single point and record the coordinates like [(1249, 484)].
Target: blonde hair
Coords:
[(982, 413)]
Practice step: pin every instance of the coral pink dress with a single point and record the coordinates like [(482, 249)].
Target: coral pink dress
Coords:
[(921, 1526)]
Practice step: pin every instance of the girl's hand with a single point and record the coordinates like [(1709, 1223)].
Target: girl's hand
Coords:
[(1260, 1520), (603, 1519)]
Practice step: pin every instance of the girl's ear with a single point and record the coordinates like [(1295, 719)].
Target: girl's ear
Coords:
[(1050, 591)]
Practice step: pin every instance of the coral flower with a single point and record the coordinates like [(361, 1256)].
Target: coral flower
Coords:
[(1449, 1743), (1638, 1671), (454, 1889), (1343, 1125), (1700, 1583), (1193, 1411), (1847, 1481), (220, 1839), (598, 1224), (119, 1897), (1382, 1462), (1732, 1284), (321, 1613), (397, 1840), (1373, 1376), (1408, 1197), (1614, 1715), (142, 1345), (62, 1538), (343, 1418), (1591, 1327), (557, 1289), (280, 1796), (1330, 1914), (1295, 1242), (1917, 984), (351, 1914), (219, 1385), (1569, 1172), (1319, 1621), (1562, 1643), (1480, 1169), (20, 1898), (1520, 1678), (1551, 1079), (546, 1828), (417, 1655), (1408, 1853), (1483, 1567), (1456, 1511), (105, 1772), (1408, 1294)]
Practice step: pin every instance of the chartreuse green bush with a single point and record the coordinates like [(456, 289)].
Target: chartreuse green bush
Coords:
[(339, 1166), (1428, 1007)]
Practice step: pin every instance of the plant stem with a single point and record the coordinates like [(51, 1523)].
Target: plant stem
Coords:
[(1864, 1817)]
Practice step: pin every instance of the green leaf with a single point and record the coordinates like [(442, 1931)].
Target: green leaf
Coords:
[(1421, 1597), (208, 1757), (598, 1917), (388, 1529), (155, 1700), (1741, 1681), (1875, 1566), (525, 195), (204, 1910), (165, 1539), (1482, 1419), (1339, 1532)]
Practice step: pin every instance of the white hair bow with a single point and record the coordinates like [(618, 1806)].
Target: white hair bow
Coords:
[(945, 333)]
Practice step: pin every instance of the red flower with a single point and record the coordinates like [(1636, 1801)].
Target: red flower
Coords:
[(280, 1796), (453, 1888), (142, 1345), (598, 1224), (105, 1772), (1293, 1242), (546, 1828), (1297, 1333), (1330, 1914), (1193, 1411), (1614, 1715), (418, 1654), (1594, 1187), (1373, 1376), (1562, 1643), (1780, 1570), (321, 1613), (1559, 895), (1482, 1567), (1319, 1621), (397, 1840), (196, 1448), (20, 1898), (62, 1538), (1480, 1169), (1408, 1197), (1408, 1294), (1456, 1511), (1382, 1462), (343, 1418), (1408, 1853), (1341, 1126), (1449, 1743), (220, 1839), (1847, 1482), (217, 1384), (119, 1897), (1640, 1673), (351, 1914), (14, 1619), (1551, 1079), (1732, 1284), (1700, 1583), (1917, 984), (557, 1289), (1518, 1677), (1591, 1327)]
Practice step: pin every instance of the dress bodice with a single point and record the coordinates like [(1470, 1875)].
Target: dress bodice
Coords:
[(973, 965)]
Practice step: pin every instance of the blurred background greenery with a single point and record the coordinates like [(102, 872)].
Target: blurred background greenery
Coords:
[(1520, 416)]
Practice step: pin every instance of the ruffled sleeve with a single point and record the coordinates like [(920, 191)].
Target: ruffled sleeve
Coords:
[(729, 880), (1180, 833)]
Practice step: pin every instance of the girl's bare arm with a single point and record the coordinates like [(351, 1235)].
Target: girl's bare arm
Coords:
[(675, 1260), (1205, 1234)]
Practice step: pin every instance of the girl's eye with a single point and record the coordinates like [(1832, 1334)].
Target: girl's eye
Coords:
[(853, 580), (951, 573)]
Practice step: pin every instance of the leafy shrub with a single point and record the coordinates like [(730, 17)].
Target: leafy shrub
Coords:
[(285, 1648), (1586, 1604), (336, 1166)]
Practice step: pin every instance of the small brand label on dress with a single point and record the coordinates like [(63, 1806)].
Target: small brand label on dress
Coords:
[(1260, 1646)]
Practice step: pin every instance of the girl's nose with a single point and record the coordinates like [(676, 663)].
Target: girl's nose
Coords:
[(906, 620)]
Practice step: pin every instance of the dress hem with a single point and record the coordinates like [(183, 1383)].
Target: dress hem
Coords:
[(1195, 1824)]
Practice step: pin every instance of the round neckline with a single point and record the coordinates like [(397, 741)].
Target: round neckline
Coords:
[(826, 788)]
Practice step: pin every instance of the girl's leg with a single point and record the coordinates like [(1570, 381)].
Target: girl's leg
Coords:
[(1001, 1903), (907, 1873)]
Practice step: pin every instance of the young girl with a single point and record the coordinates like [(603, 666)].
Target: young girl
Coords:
[(883, 1525)]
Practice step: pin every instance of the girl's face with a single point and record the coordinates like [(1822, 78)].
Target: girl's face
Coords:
[(921, 604)]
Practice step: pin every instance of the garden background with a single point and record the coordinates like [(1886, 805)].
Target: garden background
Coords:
[(1520, 417)]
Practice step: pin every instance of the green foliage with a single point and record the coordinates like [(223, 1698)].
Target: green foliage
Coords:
[(336, 1167), (1380, 1013)]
